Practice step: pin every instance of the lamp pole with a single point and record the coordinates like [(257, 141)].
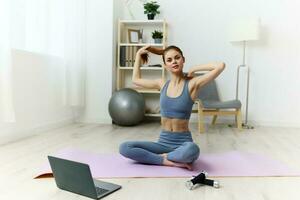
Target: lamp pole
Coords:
[(245, 124)]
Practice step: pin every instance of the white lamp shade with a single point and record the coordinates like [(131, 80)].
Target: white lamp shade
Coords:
[(244, 30)]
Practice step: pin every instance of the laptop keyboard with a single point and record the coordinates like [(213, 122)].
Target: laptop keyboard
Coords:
[(100, 191)]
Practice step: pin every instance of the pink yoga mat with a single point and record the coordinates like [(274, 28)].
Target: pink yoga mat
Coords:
[(232, 163)]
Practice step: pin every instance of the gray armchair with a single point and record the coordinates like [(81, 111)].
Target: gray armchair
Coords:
[(208, 103)]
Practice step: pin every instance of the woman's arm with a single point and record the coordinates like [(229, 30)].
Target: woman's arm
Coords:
[(206, 67), (214, 69), (136, 75), (155, 50)]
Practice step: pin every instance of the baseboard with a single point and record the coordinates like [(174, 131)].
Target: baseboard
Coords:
[(275, 123), (254, 123), (96, 120), (54, 125), (16, 134)]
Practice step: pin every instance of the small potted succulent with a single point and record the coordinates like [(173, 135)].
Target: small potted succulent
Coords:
[(151, 9), (157, 36)]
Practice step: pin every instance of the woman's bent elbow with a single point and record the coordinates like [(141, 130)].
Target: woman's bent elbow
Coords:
[(134, 81), (222, 66), (137, 82)]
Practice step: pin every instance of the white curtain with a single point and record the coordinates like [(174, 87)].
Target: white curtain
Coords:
[(50, 27), (75, 51)]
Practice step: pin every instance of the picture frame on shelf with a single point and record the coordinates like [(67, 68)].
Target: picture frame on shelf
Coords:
[(134, 36)]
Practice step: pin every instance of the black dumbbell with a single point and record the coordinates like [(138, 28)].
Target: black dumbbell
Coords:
[(201, 180)]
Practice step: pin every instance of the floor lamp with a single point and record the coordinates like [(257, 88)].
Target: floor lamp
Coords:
[(242, 31)]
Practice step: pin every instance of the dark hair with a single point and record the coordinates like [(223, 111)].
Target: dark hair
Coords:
[(154, 50), (172, 47), (145, 58), (159, 51)]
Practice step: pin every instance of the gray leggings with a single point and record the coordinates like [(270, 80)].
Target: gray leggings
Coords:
[(179, 146)]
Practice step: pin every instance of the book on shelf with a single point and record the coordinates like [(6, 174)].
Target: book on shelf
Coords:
[(127, 55), (122, 56)]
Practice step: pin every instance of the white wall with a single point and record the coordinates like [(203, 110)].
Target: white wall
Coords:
[(99, 61), (38, 82), (200, 28)]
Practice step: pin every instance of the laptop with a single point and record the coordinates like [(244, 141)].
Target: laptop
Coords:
[(77, 178)]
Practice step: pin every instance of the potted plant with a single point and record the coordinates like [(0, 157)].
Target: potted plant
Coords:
[(157, 36), (151, 9)]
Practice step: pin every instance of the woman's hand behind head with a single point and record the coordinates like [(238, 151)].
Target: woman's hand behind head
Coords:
[(143, 53), (143, 50), (188, 75)]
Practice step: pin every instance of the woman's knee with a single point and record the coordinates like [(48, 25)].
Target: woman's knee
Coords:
[(192, 151), (124, 148), (191, 146), (187, 153)]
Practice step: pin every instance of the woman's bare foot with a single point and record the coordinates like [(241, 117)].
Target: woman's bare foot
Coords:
[(167, 162)]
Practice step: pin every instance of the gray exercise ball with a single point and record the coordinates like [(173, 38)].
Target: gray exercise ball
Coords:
[(127, 107)]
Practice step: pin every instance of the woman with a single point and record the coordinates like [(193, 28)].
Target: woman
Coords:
[(175, 146)]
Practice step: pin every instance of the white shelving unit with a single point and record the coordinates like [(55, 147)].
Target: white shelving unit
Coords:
[(124, 72)]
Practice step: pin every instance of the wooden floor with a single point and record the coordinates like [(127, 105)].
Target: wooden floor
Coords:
[(20, 160)]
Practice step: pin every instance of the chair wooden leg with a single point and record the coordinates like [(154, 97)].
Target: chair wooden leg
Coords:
[(239, 119), (201, 127), (214, 119), (235, 117)]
